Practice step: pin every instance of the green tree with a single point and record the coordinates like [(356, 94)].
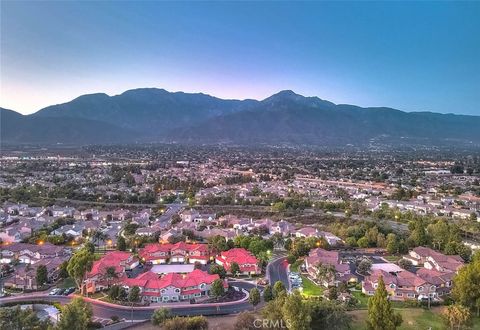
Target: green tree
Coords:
[(219, 270), (134, 294), (329, 315), (325, 273), (79, 264), (254, 297), (363, 242), (364, 267), (217, 290), (332, 293), (466, 285), (76, 315), (245, 321), (457, 317), (63, 270), (405, 264), (19, 319), (351, 241), (278, 288), (121, 244), (89, 246), (381, 315), (117, 292), (296, 313), (234, 268), (273, 309), (371, 236), (217, 244), (42, 275), (110, 274), (392, 243), (268, 293), (160, 315), (279, 207)]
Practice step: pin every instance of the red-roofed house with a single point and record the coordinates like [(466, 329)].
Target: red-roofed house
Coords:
[(180, 252), (402, 285), (320, 256), (442, 280), (172, 286), (247, 262), (97, 278), (432, 259)]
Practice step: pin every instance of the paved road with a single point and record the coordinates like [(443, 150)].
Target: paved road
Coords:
[(277, 271), (166, 217), (106, 311)]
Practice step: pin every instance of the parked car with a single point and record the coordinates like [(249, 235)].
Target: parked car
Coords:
[(69, 291), (53, 292)]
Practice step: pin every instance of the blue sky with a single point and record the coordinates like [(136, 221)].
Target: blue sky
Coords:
[(414, 56)]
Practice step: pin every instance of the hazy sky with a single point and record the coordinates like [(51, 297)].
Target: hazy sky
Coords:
[(414, 56)]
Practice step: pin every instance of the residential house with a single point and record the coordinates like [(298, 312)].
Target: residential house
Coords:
[(25, 275), (180, 252), (246, 261), (431, 259), (172, 287), (400, 286), (97, 279), (319, 257), (31, 253)]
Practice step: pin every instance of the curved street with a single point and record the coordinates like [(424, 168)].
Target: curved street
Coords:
[(107, 310), (277, 271)]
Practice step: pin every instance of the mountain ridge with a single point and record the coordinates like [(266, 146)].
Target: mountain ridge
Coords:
[(157, 115)]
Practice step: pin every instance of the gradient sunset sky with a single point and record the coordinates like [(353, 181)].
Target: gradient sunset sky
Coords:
[(414, 56)]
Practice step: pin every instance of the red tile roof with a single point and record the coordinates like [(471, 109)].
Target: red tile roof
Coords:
[(177, 249), (242, 257), (150, 280), (111, 259)]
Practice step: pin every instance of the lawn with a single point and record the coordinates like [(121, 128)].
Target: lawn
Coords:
[(67, 283), (310, 288), (361, 298), (296, 265), (413, 319), (392, 259)]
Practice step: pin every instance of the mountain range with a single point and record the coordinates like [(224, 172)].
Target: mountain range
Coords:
[(156, 115)]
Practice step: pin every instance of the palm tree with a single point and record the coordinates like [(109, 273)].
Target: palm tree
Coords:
[(98, 237), (325, 273), (110, 274)]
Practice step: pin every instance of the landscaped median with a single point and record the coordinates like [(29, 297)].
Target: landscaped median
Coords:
[(167, 304)]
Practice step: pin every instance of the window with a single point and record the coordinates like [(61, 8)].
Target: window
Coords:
[(177, 290), (420, 288), (392, 286)]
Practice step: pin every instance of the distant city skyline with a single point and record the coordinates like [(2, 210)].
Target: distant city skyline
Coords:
[(412, 56)]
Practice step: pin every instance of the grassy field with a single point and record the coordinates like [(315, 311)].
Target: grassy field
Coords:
[(67, 283), (311, 289), (361, 298), (413, 319)]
